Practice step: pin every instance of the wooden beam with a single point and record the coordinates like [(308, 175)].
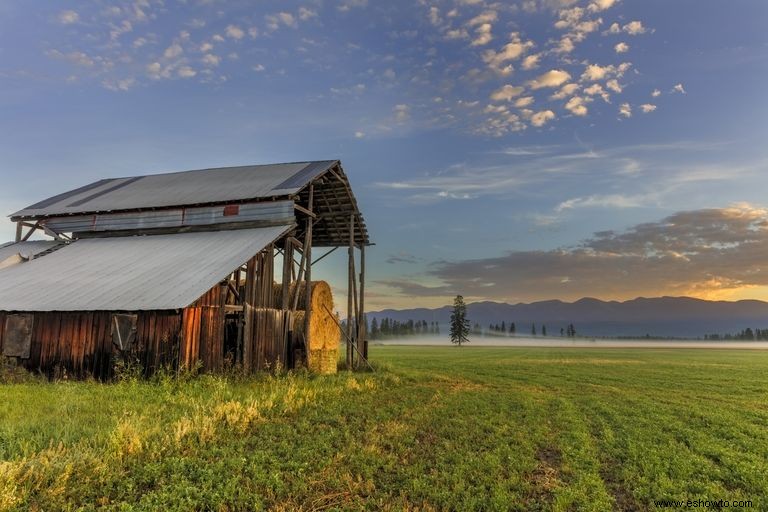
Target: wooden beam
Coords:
[(362, 338), (304, 210), (308, 253), (19, 227), (296, 242), (287, 267), (324, 255), (351, 277)]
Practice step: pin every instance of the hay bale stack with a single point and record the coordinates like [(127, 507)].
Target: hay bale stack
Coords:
[(324, 333)]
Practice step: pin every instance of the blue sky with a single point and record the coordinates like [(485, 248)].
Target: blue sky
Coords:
[(488, 142)]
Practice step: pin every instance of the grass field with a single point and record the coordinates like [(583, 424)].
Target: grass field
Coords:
[(434, 429)]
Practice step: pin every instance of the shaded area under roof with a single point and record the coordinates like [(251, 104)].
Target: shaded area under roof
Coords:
[(130, 273), (203, 186)]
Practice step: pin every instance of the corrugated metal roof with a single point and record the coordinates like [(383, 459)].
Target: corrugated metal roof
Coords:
[(130, 273), (26, 249), (182, 188)]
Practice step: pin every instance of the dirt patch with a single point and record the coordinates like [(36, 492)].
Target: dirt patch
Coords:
[(623, 499), (545, 478)]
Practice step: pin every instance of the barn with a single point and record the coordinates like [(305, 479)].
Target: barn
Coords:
[(197, 269)]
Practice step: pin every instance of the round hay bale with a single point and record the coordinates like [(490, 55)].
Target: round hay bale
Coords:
[(321, 295), (324, 333)]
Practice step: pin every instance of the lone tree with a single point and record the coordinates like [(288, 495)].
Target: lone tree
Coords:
[(459, 322)]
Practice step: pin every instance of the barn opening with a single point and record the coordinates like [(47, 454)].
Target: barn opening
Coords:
[(179, 269)]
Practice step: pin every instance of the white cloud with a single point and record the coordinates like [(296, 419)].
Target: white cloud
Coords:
[(457, 33), (281, 18), (206, 47), (68, 17), (506, 93), (209, 59), (531, 62), (565, 46), (359, 135), (615, 28), (511, 51), (258, 68), (483, 18), (600, 201), (483, 35), (625, 109), (434, 16), (565, 91), (552, 78), (348, 5), (635, 28), (523, 102), (601, 5), (647, 108), (77, 58), (621, 47), (679, 89), (541, 118), (577, 106), (234, 32), (402, 113), (597, 90), (173, 51), (306, 14), (119, 85), (595, 72), (656, 93), (614, 85), (186, 72)]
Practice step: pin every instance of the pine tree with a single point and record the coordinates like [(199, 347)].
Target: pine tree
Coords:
[(512, 329), (533, 329), (543, 330), (374, 334), (459, 322)]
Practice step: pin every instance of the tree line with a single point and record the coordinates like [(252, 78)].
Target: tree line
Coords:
[(504, 329), (745, 335), (390, 328)]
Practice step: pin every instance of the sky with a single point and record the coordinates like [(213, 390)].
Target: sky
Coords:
[(509, 151)]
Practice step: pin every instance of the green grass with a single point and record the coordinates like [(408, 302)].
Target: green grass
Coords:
[(469, 428)]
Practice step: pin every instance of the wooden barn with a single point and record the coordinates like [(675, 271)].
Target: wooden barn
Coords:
[(179, 271)]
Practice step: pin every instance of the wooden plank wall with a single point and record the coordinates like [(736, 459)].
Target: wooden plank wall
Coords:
[(202, 332), (79, 344), (267, 340)]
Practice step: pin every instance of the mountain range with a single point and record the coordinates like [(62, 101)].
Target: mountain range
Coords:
[(682, 317)]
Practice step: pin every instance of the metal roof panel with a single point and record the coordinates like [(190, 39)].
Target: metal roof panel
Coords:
[(130, 273), (218, 185)]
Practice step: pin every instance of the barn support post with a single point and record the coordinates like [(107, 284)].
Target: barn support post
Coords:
[(362, 336), (307, 254), (248, 329), (350, 284), (286, 300), (19, 227), (287, 264)]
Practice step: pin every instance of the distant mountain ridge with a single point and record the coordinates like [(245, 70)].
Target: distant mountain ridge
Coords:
[(660, 316)]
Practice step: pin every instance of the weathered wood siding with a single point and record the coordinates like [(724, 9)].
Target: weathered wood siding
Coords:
[(202, 331), (79, 344)]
